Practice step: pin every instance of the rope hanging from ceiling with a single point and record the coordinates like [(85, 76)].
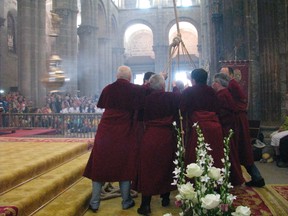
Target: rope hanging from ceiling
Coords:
[(176, 48)]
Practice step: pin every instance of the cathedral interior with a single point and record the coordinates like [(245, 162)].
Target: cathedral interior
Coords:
[(83, 42)]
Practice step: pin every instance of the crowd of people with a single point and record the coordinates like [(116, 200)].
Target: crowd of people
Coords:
[(15, 102), (135, 143)]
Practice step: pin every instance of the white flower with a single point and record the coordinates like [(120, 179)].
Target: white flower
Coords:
[(177, 171), (178, 197), (214, 173), (210, 201), (193, 170), (187, 191), (204, 178), (242, 211), (231, 197), (174, 123), (175, 182), (167, 214)]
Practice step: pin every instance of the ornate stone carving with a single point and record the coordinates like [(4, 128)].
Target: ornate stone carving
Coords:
[(216, 6), (55, 20), (64, 12), (85, 29)]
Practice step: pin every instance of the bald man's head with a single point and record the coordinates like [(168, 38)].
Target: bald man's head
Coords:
[(124, 72)]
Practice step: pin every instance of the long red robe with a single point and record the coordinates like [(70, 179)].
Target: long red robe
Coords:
[(242, 124), (227, 119), (113, 157), (199, 103), (159, 143)]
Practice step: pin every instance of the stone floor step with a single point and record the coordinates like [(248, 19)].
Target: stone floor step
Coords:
[(35, 193), (73, 202), (22, 161)]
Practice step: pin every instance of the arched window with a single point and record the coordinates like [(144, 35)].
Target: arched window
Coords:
[(11, 38), (138, 41), (189, 36), (143, 4), (187, 3)]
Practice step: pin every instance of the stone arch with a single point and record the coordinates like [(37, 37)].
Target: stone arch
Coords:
[(139, 41), (189, 36), (114, 30), (182, 19), (102, 20), (182, 65), (136, 21)]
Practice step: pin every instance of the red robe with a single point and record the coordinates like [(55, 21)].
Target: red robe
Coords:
[(199, 103), (242, 135), (113, 157), (159, 144), (227, 119)]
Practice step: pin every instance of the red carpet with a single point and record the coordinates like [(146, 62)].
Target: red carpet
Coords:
[(247, 196), (8, 210), (269, 200), (29, 132)]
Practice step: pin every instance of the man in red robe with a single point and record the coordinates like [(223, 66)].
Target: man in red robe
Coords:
[(113, 157), (159, 143), (242, 130), (199, 103), (227, 120)]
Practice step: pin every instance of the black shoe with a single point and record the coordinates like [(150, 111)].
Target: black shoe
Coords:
[(144, 210), (259, 183), (282, 164), (165, 202), (93, 209), (132, 204)]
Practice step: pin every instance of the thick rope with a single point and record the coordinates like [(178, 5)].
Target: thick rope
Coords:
[(174, 47), (109, 191)]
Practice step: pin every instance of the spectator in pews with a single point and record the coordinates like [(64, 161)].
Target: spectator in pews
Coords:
[(280, 143), (74, 108)]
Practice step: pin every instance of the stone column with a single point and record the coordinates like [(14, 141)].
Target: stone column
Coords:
[(253, 55), (216, 39), (88, 73), (283, 56), (270, 70), (88, 48), (66, 42), (117, 58), (2, 20), (32, 49), (105, 68), (161, 51)]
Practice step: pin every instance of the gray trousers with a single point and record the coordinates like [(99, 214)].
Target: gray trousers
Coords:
[(124, 189)]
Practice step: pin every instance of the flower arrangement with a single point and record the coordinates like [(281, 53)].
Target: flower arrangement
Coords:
[(204, 189)]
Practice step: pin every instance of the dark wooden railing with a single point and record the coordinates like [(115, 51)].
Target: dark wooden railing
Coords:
[(65, 125)]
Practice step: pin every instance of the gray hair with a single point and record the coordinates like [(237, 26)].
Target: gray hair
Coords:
[(124, 72), (157, 82), (222, 78)]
